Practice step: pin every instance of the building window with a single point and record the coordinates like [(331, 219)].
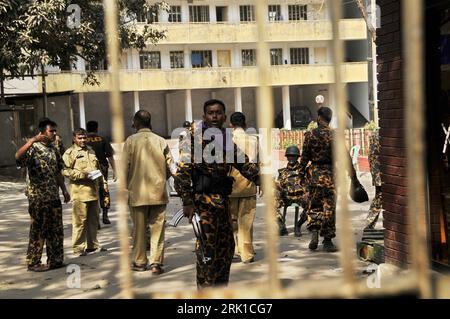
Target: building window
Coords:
[(150, 16), (276, 56), (175, 14), (221, 14), (176, 59), (201, 59), (100, 66), (298, 12), (199, 13), (150, 60), (275, 12), (247, 13), (249, 57), (299, 55)]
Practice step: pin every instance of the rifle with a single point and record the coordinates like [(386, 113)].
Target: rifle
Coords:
[(198, 231)]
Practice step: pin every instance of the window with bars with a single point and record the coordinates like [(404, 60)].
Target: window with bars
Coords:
[(148, 17), (276, 56), (150, 60), (100, 66), (275, 12), (299, 55), (247, 13), (175, 14), (249, 57), (298, 12), (201, 59), (176, 59), (199, 13)]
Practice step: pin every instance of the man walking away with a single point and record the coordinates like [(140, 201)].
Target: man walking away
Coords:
[(148, 164)]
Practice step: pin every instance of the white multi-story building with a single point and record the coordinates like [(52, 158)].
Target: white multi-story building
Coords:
[(210, 52)]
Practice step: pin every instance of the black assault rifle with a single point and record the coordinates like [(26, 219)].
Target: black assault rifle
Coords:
[(198, 231)]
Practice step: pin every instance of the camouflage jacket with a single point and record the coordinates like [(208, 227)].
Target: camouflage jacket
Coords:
[(44, 164), (318, 149), (289, 184), (374, 158), (209, 151)]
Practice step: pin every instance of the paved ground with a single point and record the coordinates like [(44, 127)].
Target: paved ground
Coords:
[(100, 272)]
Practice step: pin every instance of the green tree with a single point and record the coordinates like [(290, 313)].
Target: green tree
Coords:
[(36, 33)]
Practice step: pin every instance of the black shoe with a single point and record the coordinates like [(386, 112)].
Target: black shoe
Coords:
[(328, 246), (284, 231), (83, 253), (135, 267), (106, 220), (56, 265), (314, 240)]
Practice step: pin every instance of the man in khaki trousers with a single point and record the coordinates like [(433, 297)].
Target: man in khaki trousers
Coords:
[(79, 164), (243, 198), (148, 162)]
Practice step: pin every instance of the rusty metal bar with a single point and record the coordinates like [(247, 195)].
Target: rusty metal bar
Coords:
[(340, 152), (265, 116), (111, 28), (413, 41)]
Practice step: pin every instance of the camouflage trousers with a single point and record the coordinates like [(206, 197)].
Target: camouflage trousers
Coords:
[(375, 209), (219, 241), (46, 228), (322, 211), (105, 199)]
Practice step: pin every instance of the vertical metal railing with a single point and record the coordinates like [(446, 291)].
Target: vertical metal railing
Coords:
[(413, 43), (264, 113), (111, 27), (340, 151)]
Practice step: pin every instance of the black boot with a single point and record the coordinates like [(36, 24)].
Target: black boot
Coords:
[(282, 228), (298, 227), (314, 240), (328, 246), (105, 217)]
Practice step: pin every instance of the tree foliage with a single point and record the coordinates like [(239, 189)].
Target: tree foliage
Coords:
[(36, 32)]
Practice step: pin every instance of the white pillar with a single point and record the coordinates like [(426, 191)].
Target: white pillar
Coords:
[(212, 14), (284, 12), (238, 100), (187, 59), (188, 106), (184, 12), (82, 111), (136, 101), (236, 60), (286, 108), (169, 114)]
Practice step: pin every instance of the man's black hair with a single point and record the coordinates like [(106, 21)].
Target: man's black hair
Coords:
[(79, 131), (326, 113), (44, 122), (92, 126), (213, 102), (186, 124), (144, 118), (238, 119)]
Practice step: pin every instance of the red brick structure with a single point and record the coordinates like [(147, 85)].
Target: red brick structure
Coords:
[(392, 134)]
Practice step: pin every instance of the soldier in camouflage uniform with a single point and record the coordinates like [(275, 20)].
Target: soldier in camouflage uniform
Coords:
[(105, 155), (289, 188), (374, 162), (203, 184), (44, 166), (317, 149)]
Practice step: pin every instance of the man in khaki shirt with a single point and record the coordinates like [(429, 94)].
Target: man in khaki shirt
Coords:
[(80, 164), (148, 164), (243, 197)]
